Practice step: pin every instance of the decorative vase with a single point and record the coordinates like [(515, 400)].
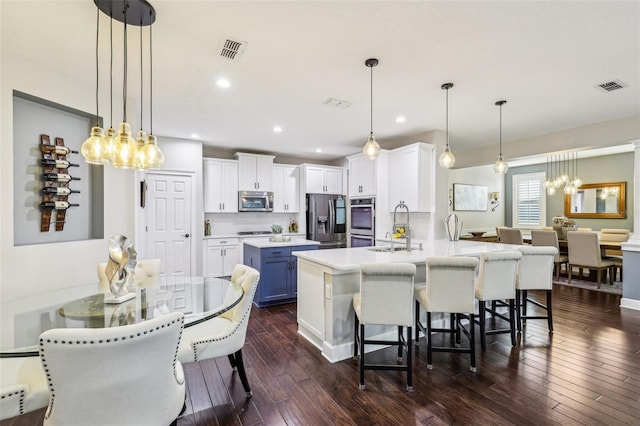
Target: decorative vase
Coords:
[(453, 224), (121, 265)]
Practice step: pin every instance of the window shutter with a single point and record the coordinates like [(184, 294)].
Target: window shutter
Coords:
[(529, 201)]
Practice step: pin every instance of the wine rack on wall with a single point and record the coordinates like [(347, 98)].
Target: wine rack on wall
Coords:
[(56, 188)]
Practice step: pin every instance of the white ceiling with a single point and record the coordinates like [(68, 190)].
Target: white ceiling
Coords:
[(544, 58)]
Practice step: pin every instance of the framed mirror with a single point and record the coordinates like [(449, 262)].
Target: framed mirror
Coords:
[(597, 200)]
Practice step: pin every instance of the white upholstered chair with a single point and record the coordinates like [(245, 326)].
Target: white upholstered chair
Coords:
[(124, 375), (385, 298), (550, 239), (224, 335), (584, 252), (449, 289), (510, 236), (147, 274), (23, 386), (535, 272), (496, 281), (614, 236)]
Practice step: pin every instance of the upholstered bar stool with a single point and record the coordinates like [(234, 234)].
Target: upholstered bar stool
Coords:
[(449, 289), (385, 298), (550, 239), (496, 281), (535, 272)]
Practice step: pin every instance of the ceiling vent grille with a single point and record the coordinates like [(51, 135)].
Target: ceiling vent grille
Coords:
[(610, 86), (338, 103), (232, 50)]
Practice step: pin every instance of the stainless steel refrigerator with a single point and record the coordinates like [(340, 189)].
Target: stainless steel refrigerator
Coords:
[(327, 220)]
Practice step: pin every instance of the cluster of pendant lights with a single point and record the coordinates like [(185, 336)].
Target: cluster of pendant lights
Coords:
[(562, 171), (371, 149), (121, 149)]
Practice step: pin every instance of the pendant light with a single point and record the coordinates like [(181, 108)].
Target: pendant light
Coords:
[(94, 148), (153, 155), (110, 133), (371, 149), (447, 159), (500, 166), (140, 161)]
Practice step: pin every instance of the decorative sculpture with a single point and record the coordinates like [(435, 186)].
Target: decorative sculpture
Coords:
[(453, 224), (120, 269)]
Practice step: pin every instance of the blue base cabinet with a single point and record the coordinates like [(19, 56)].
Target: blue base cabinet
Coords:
[(278, 273)]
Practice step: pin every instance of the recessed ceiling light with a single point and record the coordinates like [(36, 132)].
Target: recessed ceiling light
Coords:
[(277, 129), (319, 150), (223, 82), (401, 119), (195, 135)]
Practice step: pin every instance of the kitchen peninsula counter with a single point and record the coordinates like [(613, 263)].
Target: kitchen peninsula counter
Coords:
[(328, 279)]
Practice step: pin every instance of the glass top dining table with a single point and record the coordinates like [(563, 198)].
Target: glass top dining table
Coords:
[(23, 320)]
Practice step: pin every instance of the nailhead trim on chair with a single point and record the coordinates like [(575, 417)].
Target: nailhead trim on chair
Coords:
[(244, 317), (92, 342), (22, 394)]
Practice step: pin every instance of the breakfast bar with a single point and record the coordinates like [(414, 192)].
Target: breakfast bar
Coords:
[(328, 279)]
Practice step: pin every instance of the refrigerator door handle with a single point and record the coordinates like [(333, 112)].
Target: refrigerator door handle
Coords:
[(313, 218), (332, 217)]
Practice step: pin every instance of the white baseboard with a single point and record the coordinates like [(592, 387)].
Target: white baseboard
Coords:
[(630, 303)]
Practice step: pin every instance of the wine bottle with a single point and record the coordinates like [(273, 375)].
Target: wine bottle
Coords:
[(58, 149), (60, 177), (60, 164), (60, 205), (58, 190)]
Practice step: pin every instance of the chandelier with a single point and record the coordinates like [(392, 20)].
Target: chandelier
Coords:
[(121, 149), (562, 172)]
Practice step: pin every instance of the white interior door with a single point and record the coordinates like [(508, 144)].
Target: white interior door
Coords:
[(169, 228)]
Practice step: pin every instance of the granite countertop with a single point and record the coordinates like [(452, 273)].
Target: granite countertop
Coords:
[(265, 243), (350, 259)]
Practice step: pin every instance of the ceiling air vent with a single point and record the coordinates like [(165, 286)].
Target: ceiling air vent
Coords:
[(232, 49), (612, 85), (338, 103)]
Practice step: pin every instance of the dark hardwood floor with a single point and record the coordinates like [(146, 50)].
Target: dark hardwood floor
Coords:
[(586, 372)]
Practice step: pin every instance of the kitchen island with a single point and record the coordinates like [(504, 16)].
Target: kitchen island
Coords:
[(328, 279), (278, 268)]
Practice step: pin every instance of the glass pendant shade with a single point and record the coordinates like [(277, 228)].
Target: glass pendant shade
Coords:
[(140, 162), (153, 156), (500, 166), (94, 149), (447, 159), (124, 148), (371, 149), (109, 137), (577, 182), (551, 190)]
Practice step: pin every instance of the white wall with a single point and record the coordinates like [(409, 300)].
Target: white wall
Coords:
[(480, 175), (29, 269)]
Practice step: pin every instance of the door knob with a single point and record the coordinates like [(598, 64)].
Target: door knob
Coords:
[(186, 235)]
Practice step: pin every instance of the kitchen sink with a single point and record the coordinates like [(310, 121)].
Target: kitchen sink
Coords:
[(388, 248)]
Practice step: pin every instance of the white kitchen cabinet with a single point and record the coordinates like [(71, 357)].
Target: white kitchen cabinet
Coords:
[(286, 188), (322, 179), (220, 185), (412, 177), (254, 172), (220, 256), (362, 176)]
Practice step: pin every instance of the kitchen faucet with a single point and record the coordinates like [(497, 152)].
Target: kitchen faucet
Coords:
[(396, 225)]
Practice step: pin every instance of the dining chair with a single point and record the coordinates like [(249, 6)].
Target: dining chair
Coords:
[(147, 274), (510, 236), (496, 281), (449, 289), (22, 382), (550, 238), (124, 375), (225, 334), (584, 252), (385, 298), (535, 272), (614, 236)]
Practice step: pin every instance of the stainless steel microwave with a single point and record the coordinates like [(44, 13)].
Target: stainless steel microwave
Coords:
[(255, 201)]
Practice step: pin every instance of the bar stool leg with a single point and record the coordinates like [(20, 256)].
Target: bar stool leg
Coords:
[(428, 337), (549, 312), (356, 338), (472, 343), (417, 321), (518, 307), (481, 319), (409, 361), (361, 356), (512, 322), (400, 330)]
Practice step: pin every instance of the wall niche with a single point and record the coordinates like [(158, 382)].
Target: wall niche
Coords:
[(33, 117)]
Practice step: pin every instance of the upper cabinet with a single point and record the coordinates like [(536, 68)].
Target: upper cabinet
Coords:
[(362, 176), (412, 177), (286, 188), (220, 185), (322, 179), (254, 172)]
